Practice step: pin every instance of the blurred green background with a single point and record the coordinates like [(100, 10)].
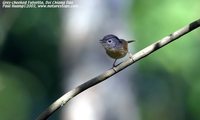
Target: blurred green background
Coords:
[(29, 66), (168, 81)]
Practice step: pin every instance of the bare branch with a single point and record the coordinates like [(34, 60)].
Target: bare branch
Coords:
[(139, 55)]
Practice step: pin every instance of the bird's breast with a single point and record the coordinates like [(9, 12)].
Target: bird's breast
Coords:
[(116, 53)]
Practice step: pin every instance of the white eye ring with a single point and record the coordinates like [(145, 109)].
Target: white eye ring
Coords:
[(109, 41)]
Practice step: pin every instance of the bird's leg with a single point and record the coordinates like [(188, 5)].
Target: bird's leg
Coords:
[(114, 63)]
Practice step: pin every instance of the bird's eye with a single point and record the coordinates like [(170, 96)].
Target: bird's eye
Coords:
[(109, 41)]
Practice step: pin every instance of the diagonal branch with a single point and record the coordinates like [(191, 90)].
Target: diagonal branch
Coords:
[(139, 55)]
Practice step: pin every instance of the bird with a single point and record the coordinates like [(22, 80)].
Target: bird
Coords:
[(115, 48)]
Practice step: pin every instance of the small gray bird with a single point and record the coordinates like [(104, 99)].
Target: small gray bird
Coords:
[(115, 48)]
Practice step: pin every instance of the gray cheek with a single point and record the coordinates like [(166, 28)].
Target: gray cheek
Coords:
[(114, 45), (107, 46)]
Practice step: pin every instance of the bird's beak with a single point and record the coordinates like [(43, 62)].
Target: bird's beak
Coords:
[(101, 41)]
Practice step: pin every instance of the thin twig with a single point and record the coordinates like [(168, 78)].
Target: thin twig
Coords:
[(139, 55)]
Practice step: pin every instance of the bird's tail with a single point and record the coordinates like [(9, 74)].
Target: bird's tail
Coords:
[(130, 41)]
